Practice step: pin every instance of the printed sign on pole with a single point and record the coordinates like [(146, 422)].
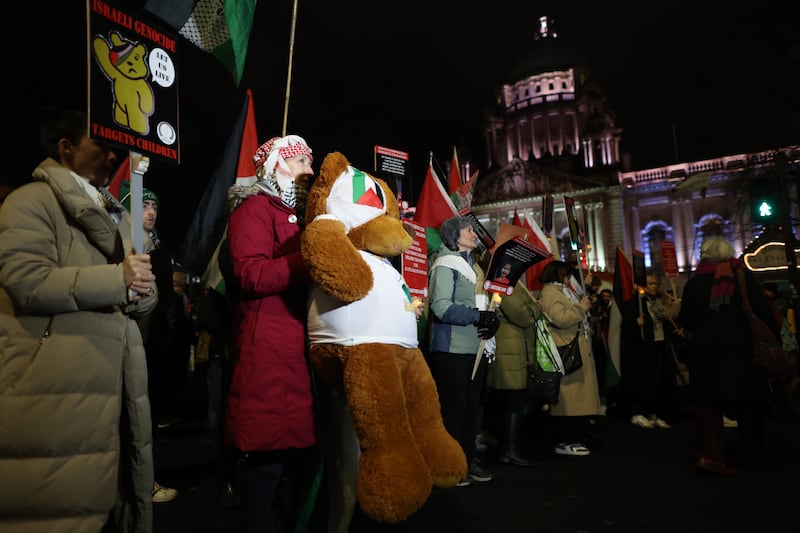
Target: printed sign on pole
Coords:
[(572, 222), (133, 83), (415, 262), (669, 258)]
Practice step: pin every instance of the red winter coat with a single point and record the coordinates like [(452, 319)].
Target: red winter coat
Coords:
[(270, 401)]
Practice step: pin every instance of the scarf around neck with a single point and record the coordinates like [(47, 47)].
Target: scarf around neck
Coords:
[(723, 284)]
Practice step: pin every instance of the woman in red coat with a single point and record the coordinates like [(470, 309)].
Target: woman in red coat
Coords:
[(270, 413)]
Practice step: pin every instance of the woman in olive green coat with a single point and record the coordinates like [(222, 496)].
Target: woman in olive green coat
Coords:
[(508, 374)]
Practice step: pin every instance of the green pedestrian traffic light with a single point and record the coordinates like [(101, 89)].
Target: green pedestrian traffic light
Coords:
[(764, 201)]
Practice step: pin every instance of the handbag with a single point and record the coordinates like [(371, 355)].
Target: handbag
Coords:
[(571, 354), (768, 353), (544, 372), (544, 386)]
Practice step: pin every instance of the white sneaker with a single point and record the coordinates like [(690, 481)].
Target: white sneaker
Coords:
[(729, 423), (642, 422), (163, 494), (571, 449)]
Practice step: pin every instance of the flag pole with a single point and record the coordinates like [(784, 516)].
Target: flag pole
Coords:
[(289, 72)]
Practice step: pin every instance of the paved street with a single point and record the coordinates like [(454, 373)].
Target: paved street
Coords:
[(637, 480)]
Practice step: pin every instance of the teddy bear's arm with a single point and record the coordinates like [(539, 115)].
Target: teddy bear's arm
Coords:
[(334, 264), (101, 49)]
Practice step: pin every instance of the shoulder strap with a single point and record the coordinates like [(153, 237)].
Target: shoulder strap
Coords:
[(743, 287)]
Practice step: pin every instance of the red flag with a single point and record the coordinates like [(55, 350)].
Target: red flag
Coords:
[(538, 237), (516, 220), (434, 205), (246, 168), (455, 174), (123, 173)]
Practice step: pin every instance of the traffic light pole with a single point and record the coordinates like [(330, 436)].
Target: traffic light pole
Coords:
[(788, 235)]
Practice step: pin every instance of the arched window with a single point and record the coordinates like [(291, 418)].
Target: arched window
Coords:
[(653, 233)]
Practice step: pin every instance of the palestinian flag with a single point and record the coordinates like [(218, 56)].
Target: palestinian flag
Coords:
[(623, 291), (219, 28)]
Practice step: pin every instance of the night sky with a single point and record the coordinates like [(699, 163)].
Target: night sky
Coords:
[(418, 75)]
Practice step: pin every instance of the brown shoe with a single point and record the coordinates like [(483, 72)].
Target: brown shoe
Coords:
[(705, 464)]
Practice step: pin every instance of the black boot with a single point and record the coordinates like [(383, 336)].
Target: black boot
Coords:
[(509, 450)]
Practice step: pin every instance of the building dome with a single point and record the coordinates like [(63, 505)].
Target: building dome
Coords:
[(547, 54)]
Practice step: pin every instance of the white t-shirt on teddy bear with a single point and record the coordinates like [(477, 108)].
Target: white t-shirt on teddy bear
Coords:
[(382, 316)]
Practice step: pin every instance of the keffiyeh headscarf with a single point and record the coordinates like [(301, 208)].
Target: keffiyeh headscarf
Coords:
[(270, 159)]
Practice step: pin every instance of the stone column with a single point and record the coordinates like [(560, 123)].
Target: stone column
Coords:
[(636, 229), (689, 232), (600, 247), (681, 252)]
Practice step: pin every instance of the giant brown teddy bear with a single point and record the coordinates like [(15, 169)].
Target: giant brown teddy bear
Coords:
[(353, 225)]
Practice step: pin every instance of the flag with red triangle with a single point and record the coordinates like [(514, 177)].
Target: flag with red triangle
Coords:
[(623, 291), (536, 236), (200, 247), (624, 287), (434, 205), (246, 167), (462, 198), (123, 173), (455, 174), (245, 175)]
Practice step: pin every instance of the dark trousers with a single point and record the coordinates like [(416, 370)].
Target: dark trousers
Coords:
[(263, 472), (650, 383), (459, 395)]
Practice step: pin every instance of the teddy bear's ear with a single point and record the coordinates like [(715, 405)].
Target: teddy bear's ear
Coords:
[(332, 167)]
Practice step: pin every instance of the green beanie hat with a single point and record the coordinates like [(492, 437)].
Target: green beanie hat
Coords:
[(125, 194)]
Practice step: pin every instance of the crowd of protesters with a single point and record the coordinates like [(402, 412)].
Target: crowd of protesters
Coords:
[(113, 346)]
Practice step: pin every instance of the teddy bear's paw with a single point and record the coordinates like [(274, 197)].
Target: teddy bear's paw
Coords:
[(390, 488), (448, 469), (443, 455)]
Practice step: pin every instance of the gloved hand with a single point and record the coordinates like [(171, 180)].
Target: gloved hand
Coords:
[(487, 324)]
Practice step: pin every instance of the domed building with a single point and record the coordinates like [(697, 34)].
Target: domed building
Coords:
[(551, 134)]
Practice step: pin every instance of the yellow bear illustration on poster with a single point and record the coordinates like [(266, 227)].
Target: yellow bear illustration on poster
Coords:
[(124, 63)]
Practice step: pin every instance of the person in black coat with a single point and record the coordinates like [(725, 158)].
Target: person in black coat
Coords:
[(721, 358), (648, 378)]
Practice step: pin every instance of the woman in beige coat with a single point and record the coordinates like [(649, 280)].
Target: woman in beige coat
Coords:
[(75, 435), (579, 397)]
